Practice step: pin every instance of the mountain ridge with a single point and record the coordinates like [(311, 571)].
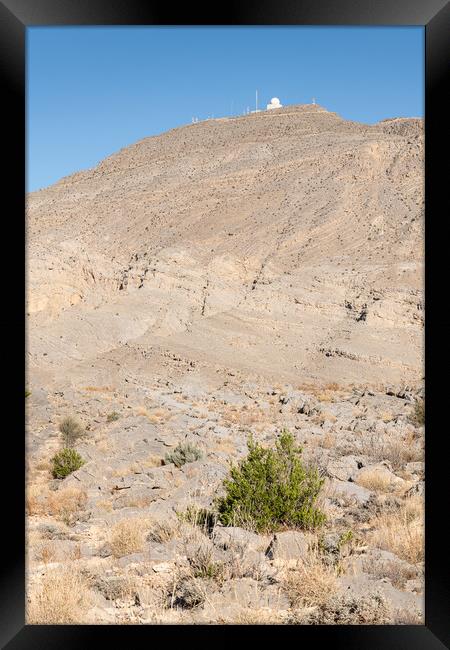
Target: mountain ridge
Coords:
[(295, 221)]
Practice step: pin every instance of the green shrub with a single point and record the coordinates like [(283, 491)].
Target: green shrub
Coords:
[(112, 417), (271, 489), (418, 416), (182, 454), (65, 462), (71, 430), (27, 393)]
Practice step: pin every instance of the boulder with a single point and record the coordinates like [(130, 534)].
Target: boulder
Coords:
[(233, 536), (350, 491), (248, 593), (288, 546), (344, 469), (297, 402)]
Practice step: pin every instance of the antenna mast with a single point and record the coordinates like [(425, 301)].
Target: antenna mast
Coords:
[(256, 102)]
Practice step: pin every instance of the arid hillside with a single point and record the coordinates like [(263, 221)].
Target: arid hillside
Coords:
[(244, 291), (286, 243)]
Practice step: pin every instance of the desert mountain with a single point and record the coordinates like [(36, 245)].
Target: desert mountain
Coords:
[(284, 244), (231, 277)]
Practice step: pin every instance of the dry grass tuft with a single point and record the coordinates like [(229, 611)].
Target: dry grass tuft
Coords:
[(62, 597), (43, 465), (99, 389), (311, 583), (65, 504), (260, 616), (104, 445), (349, 609), (327, 441), (401, 531), (45, 552), (35, 499), (398, 451), (151, 461), (186, 592), (163, 531), (375, 480), (397, 572), (158, 415), (105, 504), (128, 536), (408, 617)]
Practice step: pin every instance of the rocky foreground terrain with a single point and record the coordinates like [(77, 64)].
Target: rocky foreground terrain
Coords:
[(232, 277)]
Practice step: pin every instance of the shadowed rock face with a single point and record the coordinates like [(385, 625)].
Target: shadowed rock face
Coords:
[(284, 244)]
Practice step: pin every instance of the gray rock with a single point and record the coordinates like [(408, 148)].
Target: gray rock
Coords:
[(248, 593), (133, 558), (221, 431), (233, 536), (344, 468), (163, 552), (363, 584), (350, 491), (289, 545)]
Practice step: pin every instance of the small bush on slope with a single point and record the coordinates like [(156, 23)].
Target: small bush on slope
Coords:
[(71, 430), (65, 462), (271, 489), (182, 454)]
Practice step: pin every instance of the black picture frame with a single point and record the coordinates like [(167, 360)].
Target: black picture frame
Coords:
[(434, 15)]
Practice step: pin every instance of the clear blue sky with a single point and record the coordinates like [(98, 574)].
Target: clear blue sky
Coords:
[(94, 90)]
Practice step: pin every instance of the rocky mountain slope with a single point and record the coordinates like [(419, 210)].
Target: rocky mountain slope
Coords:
[(231, 277), (287, 244)]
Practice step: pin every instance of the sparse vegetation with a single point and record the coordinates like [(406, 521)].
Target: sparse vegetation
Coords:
[(182, 454), (186, 592), (397, 572), (200, 517), (418, 415), (371, 609), (401, 531), (65, 462), (202, 563), (127, 536), (271, 489), (398, 451), (45, 552), (27, 393), (66, 504), (311, 583), (62, 597), (375, 479), (162, 531), (112, 417), (71, 431)]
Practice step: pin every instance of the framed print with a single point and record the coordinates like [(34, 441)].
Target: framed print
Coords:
[(231, 225)]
